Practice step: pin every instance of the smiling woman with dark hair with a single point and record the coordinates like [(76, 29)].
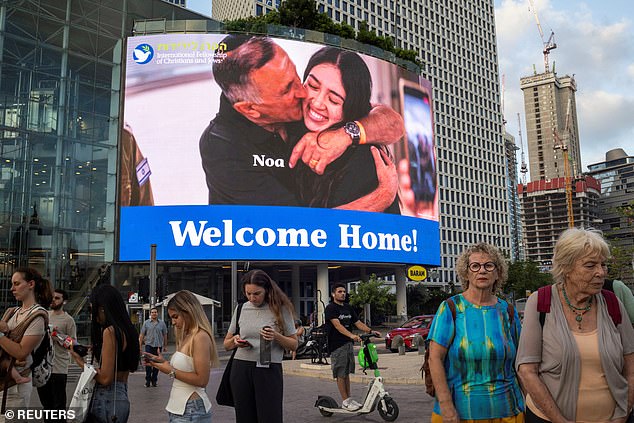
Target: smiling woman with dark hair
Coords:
[(338, 87)]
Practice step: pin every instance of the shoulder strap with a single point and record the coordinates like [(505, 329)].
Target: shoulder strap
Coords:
[(613, 306), (238, 318), (544, 295), (511, 312), (452, 307)]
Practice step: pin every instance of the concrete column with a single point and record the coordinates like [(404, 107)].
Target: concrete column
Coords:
[(324, 289), (401, 292), (295, 287)]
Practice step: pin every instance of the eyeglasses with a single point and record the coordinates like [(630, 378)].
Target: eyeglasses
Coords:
[(489, 266)]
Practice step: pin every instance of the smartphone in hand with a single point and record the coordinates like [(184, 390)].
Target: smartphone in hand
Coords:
[(147, 357), (244, 342)]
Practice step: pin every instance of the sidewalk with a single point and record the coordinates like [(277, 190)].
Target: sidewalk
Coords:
[(394, 368)]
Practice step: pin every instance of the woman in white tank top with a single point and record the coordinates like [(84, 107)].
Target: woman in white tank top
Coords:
[(191, 363)]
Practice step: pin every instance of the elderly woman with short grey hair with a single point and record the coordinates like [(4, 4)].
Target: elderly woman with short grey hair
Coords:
[(576, 356)]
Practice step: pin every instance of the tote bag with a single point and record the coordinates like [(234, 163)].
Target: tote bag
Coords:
[(80, 404)]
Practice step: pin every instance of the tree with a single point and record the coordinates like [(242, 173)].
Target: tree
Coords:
[(423, 300), (299, 13), (304, 14), (374, 292), (622, 255), (525, 276)]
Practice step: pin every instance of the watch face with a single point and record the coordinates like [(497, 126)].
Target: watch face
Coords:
[(352, 129)]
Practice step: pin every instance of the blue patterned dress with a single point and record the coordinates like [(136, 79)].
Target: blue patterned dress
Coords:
[(480, 359)]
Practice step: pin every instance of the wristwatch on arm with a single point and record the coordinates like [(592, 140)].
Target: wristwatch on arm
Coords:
[(356, 131)]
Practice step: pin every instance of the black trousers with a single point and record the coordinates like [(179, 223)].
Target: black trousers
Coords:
[(151, 373), (530, 417), (257, 392), (53, 394)]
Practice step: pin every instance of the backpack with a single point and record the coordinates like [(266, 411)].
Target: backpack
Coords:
[(43, 357), (544, 295), (426, 373)]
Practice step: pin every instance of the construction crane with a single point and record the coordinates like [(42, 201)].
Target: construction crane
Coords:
[(562, 145), (549, 44), (524, 167)]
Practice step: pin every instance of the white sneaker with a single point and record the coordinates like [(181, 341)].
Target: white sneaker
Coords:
[(350, 405)]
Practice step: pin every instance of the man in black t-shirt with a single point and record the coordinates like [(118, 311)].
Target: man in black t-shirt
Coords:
[(340, 319)]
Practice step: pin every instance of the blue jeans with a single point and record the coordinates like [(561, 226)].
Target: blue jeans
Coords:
[(194, 413), (107, 403), (151, 373)]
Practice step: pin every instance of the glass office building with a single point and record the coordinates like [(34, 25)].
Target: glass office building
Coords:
[(60, 106), (60, 78)]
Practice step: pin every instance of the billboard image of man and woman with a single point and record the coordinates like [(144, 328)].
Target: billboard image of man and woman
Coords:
[(256, 148)]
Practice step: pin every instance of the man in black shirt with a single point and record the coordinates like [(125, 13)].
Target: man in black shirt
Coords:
[(340, 318), (245, 150)]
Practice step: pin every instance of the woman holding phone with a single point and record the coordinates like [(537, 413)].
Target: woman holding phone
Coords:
[(258, 386), (115, 346), (190, 365)]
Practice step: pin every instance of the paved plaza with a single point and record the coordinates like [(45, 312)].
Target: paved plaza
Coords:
[(302, 383)]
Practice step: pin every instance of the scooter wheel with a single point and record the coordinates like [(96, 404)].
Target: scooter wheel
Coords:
[(390, 412), (328, 403)]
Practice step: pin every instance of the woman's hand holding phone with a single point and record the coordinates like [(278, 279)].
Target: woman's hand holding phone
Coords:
[(242, 343), (152, 358)]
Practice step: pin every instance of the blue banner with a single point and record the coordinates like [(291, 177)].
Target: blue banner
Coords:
[(275, 233)]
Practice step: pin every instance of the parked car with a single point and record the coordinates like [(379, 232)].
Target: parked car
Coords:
[(415, 325)]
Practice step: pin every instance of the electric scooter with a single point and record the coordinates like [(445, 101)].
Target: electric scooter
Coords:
[(375, 398)]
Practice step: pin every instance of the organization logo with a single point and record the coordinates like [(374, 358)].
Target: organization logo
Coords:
[(143, 53)]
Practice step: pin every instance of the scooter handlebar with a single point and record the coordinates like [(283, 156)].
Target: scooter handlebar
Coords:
[(366, 336)]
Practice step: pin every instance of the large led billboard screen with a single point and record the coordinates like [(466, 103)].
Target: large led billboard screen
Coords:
[(257, 148)]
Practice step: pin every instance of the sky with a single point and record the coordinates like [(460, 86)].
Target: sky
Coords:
[(595, 43)]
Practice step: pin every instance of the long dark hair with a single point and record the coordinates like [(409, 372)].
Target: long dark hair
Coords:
[(274, 296), (42, 289), (110, 299), (314, 190)]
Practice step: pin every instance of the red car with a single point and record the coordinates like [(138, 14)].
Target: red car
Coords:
[(415, 325)]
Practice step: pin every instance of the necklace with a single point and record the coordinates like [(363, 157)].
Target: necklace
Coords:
[(579, 311), (22, 310)]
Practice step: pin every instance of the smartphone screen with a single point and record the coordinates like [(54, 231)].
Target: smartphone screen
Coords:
[(419, 146)]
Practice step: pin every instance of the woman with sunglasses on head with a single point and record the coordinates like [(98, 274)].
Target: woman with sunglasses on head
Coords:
[(115, 346), (474, 339), (34, 295)]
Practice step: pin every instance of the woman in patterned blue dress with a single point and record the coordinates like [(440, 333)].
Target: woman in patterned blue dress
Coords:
[(472, 347)]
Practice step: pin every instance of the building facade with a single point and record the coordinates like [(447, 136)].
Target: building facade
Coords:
[(457, 44), (551, 125), (516, 251), (616, 175), (545, 215)]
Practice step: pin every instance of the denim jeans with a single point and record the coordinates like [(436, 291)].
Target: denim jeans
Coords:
[(151, 373), (194, 413), (106, 403)]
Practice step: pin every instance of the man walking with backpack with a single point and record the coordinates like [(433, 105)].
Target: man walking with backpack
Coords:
[(53, 393)]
